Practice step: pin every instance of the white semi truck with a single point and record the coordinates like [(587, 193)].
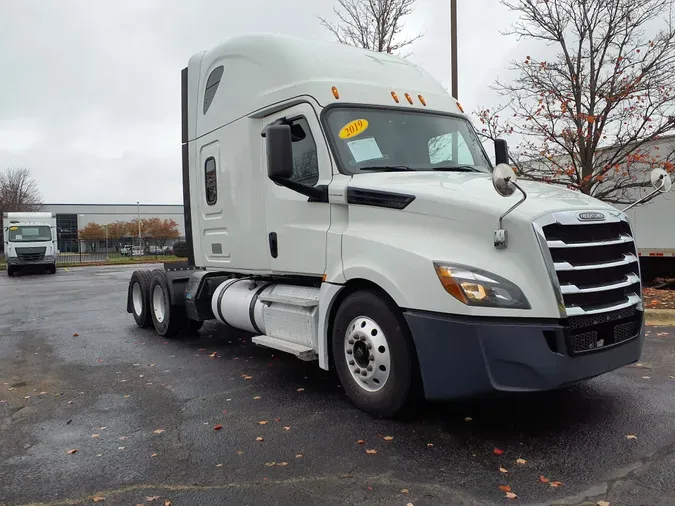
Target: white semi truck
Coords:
[(340, 207), (30, 241)]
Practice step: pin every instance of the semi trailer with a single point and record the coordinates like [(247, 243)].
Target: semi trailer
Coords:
[(30, 241), (340, 207)]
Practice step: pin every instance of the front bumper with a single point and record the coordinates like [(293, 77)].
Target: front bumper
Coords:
[(17, 261), (468, 356)]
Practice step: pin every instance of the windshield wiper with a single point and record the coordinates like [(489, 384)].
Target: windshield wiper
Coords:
[(458, 168), (388, 168)]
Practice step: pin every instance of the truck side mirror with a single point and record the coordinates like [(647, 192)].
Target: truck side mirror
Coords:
[(501, 152), (279, 151)]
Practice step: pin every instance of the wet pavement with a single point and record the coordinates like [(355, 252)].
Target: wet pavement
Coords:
[(141, 411)]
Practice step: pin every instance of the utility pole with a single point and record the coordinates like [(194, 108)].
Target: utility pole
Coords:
[(140, 241), (453, 48)]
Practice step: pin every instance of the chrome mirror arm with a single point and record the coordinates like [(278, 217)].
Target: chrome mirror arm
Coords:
[(501, 235)]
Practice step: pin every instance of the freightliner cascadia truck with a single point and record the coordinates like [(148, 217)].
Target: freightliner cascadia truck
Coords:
[(340, 207)]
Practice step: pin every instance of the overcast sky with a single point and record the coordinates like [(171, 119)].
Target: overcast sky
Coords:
[(90, 89)]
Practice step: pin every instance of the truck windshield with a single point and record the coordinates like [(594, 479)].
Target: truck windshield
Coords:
[(379, 139), (29, 233)]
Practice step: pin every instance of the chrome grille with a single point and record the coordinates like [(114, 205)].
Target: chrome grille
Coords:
[(593, 265)]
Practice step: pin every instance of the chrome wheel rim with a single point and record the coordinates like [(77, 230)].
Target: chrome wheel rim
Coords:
[(158, 303), (137, 298), (367, 354)]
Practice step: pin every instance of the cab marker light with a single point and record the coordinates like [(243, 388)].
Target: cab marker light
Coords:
[(335, 91), (394, 96), (409, 98), (424, 102)]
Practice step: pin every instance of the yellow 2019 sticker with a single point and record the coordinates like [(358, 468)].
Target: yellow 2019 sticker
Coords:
[(14, 228), (353, 128)]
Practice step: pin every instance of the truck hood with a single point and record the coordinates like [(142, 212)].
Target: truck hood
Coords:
[(456, 195)]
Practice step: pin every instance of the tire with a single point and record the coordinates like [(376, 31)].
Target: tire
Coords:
[(168, 320), (385, 348), (52, 269), (10, 271), (140, 300)]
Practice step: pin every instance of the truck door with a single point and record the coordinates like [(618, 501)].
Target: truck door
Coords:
[(296, 228)]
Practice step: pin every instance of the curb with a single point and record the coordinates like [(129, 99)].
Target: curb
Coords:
[(663, 317)]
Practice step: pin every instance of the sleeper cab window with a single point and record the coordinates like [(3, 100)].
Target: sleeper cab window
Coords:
[(211, 185), (211, 87)]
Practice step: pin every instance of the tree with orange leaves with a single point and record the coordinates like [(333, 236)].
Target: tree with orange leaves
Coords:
[(590, 117)]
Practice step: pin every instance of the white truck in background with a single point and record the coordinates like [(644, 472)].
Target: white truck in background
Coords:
[(30, 241), (340, 207)]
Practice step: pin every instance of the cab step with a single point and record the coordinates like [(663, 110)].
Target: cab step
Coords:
[(302, 352)]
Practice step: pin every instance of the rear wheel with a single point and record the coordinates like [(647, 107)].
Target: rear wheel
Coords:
[(372, 353), (167, 319), (139, 289)]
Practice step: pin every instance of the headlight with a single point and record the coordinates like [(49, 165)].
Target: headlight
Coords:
[(476, 287), (11, 252)]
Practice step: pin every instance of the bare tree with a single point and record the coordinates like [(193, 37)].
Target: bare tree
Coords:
[(18, 191), (589, 116), (372, 24)]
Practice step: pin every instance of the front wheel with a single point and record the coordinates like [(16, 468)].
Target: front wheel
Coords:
[(10, 271), (373, 356)]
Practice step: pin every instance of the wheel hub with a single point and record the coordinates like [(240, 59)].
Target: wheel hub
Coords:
[(367, 353), (137, 298), (158, 303)]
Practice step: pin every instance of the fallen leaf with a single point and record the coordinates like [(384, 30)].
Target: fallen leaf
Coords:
[(556, 484), (98, 498), (263, 422), (410, 504), (72, 452), (388, 438), (95, 435), (287, 428), (248, 377), (127, 396), (360, 442), (277, 419), (430, 445), (218, 427), (511, 495), (270, 464), (282, 464), (631, 436), (219, 465), (239, 452), (405, 491), (543, 479), (602, 503), (301, 389), (503, 470), (121, 447), (256, 398), (646, 377), (153, 455), (521, 461), (497, 451), (76, 334), (505, 488), (371, 452), (468, 419), (167, 503), (213, 354), (260, 438), (158, 431), (298, 456)]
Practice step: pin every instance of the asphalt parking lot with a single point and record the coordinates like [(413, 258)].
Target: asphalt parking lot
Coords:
[(94, 409)]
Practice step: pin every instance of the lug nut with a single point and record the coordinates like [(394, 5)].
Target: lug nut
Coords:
[(370, 368), (351, 341), (351, 362), (371, 358), (370, 346), (357, 370), (349, 352), (364, 373), (363, 338)]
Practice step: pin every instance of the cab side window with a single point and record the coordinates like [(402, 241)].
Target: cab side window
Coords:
[(211, 184), (305, 158)]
